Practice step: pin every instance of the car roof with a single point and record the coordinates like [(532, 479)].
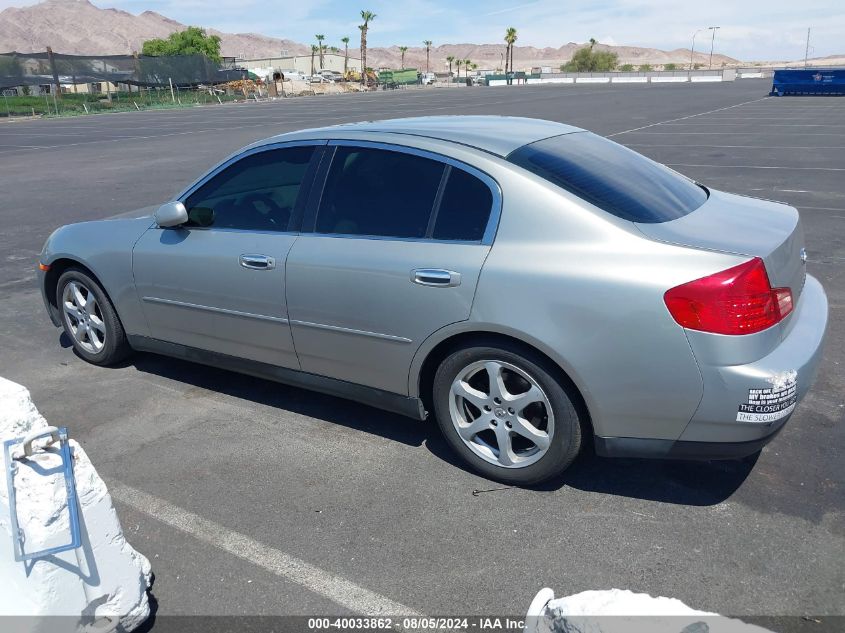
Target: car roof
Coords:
[(498, 135)]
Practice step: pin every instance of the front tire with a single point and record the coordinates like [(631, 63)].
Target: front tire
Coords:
[(89, 319), (503, 411)]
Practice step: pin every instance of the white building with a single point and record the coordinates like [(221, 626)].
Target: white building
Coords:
[(301, 63)]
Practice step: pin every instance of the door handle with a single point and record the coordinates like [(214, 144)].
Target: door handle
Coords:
[(436, 277), (257, 262)]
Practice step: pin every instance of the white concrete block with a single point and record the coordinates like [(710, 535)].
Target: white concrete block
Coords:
[(630, 80), (592, 80), (105, 578), (623, 611)]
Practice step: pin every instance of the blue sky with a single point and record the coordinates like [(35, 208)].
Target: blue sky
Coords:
[(750, 29)]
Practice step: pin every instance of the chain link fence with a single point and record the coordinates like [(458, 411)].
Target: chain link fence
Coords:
[(54, 83)]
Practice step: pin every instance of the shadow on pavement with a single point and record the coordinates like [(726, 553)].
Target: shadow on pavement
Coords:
[(678, 482)]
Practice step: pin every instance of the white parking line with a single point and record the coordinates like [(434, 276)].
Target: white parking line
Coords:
[(775, 124), (759, 167), (690, 116), (686, 145), (339, 590), (734, 133)]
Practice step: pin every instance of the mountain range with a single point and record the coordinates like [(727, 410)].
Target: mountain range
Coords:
[(79, 27)]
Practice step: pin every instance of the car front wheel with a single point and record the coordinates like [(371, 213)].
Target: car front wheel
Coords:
[(89, 319), (505, 413)]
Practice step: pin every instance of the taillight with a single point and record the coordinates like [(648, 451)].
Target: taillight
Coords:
[(739, 300)]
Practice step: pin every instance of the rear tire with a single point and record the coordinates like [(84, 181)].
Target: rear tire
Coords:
[(89, 319), (490, 397)]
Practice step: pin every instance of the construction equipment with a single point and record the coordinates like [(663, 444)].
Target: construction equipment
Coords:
[(394, 78)]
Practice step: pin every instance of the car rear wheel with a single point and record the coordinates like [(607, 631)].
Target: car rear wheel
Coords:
[(89, 319), (505, 413)]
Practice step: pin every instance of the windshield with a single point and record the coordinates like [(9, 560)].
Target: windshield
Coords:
[(612, 177)]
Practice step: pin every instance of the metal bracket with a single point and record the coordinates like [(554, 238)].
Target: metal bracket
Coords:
[(57, 435)]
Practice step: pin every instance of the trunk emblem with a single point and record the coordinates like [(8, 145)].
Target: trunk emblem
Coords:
[(803, 255)]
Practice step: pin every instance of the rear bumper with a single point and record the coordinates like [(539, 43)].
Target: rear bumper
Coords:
[(679, 449), (744, 406)]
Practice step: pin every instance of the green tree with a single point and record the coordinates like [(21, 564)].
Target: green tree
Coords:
[(587, 60), (467, 63), (191, 41), (670, 66), (645, 68), (458, 64), (626, 68), (510, 39), (320, 48), (313, 52), (450, 59), (367, 16), (427, 44), (402, 50), (345, 41)]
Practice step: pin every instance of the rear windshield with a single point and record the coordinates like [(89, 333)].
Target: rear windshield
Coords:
[(611, 177)]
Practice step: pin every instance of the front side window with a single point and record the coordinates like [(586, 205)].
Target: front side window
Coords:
[(257, 193), (378, 192), (612, 177)]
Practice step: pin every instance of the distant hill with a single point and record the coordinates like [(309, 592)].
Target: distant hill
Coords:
[(79, 27)]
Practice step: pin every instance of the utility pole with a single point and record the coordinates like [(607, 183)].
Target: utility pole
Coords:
[(692, 48), (712, 41), (807, 48)]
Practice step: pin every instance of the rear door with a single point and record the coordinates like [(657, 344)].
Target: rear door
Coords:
[(397, 240), (217, 283)]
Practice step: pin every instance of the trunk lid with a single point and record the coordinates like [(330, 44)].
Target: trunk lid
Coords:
[(744, 226)]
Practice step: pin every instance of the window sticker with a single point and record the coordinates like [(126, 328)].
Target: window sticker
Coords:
[(768, 405)]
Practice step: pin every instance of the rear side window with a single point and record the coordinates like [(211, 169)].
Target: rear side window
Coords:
[(464, 208), (612, 177), (378, 192)]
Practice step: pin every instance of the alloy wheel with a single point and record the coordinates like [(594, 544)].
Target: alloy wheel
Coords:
[(501, 413), (84, 317)]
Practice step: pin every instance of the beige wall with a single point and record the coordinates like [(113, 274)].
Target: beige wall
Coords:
[(302, 63)]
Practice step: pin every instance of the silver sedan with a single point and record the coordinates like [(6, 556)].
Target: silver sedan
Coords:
[(536, 287)]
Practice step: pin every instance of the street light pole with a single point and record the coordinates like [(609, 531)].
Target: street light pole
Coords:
[(807, 48), (712, 41), (692, 49)]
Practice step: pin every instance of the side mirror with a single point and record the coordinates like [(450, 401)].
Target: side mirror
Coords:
[(171, 214)]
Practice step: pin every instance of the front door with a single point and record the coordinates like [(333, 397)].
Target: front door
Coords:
[(394, 254), (217, 283)]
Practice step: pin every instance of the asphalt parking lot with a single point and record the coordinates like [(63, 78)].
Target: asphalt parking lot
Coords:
[(375, 503)]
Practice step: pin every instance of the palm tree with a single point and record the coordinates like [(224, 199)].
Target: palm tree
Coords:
[(345, 41), (427, 52), (320, 48), (402, 50), (593, 42), (458, 63), (313, 52), (450, 59), (467, 63), (367, 16), (510, 38)]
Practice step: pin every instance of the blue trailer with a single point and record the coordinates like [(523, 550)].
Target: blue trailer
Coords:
[(808, 81)]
